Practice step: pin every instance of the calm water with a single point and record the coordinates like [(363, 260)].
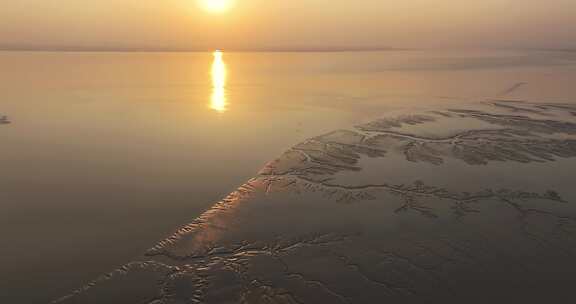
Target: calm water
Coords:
[(108, 153)]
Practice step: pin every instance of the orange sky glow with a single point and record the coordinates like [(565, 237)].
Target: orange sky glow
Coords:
[(275, 24)]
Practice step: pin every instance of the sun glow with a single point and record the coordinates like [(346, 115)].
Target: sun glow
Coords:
[(216, 6), (219, 76)]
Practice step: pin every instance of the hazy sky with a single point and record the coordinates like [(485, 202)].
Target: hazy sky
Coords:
[(289, 23)]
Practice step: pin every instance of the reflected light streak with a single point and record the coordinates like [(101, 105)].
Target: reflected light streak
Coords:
[(219, 75)]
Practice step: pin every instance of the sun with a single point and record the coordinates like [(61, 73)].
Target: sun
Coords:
[(216, 6)]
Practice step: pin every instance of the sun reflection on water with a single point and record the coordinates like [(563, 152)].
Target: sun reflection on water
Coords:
[(219, 75)]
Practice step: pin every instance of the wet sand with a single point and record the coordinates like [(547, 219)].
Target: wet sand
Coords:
[(107, 153), (488, 211)]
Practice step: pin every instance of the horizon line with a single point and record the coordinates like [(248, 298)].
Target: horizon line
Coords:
[(296, 49), (193, 50)]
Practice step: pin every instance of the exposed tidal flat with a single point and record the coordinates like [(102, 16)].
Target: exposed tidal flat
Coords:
[(314, 227), (457, 160)]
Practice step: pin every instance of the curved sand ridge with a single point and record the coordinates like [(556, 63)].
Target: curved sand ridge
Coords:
[(446, 204)]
